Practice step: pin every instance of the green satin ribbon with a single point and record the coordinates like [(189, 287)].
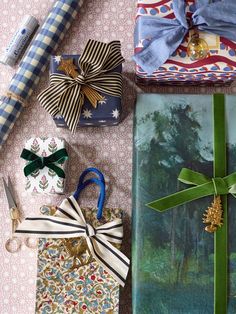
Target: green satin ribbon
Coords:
[(203, 186), (37, 162)]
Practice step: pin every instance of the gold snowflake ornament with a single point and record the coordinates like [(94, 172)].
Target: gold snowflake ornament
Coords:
[(213, 215)]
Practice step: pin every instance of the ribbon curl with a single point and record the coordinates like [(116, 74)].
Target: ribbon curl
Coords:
[(72, 224), (166, 35), (203, 186), (65, 95), (36, 162)]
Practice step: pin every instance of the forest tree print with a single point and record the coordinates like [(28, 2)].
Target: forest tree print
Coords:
[(173, 256)]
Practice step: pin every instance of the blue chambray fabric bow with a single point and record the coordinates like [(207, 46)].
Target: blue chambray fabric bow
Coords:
[(166, 35)]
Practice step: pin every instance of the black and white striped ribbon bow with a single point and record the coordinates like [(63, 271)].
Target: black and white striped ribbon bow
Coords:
[(65, 95), (72, 224)]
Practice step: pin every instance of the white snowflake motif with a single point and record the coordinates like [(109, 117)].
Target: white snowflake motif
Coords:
[(57, 59), (115, 113), (87, 114), (103, 101)]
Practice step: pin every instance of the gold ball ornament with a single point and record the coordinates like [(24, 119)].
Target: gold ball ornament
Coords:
[(197, 48)]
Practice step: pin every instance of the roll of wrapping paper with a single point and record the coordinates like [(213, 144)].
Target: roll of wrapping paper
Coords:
[(34, 63)]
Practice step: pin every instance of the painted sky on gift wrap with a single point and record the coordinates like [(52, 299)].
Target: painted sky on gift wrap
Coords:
[(204, 115)]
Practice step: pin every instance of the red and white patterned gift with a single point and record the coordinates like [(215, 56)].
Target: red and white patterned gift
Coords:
[(219, 67)]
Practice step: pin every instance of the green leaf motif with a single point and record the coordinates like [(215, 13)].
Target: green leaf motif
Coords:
[(60, 183), (51, 173), (28, 184), (35, 173)]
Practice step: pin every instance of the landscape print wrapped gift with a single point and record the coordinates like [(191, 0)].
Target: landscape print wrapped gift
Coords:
[(184, 251), (45, 165), (86, 90), (185, 41)]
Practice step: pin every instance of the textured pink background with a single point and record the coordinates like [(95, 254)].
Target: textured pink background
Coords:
[(109, 149)]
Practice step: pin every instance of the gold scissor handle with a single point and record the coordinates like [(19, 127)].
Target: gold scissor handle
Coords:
[(31, 243), (15, 213), (13, 245), (15, 218)]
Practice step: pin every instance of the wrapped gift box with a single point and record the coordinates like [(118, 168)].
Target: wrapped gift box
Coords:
[(68, 283), (173, 256), (45, 180), (108, 111), (218, 68)]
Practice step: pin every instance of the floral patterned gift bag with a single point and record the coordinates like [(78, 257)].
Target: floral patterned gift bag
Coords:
[(80, 267)]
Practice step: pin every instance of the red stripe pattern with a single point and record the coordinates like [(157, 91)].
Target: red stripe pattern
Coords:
[(220, 66)]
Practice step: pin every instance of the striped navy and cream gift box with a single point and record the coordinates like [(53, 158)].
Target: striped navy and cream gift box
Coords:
[(108, 111)]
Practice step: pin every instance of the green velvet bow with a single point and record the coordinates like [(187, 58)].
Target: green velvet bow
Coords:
[(37, 162), (203, 186)]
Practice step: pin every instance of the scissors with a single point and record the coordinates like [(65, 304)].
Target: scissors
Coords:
[(13, 244)]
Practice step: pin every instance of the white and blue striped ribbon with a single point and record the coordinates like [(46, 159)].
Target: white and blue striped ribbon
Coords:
[(70, 223)]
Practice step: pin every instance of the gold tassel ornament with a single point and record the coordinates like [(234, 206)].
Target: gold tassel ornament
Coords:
[(213, 215)]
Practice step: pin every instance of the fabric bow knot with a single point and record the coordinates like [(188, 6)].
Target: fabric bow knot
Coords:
[(42, 162), (166, 35), (69, 222), (80, 79), (37, 162), (65, 95), (90, 231), (202, 186)]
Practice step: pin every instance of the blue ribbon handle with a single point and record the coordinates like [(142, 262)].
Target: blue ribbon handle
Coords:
[(93, 170), (101, 182), (166, 35)]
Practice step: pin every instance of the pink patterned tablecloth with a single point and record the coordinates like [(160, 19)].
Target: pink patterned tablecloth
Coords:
[(108, 148)]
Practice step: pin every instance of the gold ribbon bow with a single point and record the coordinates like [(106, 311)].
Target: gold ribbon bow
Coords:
[(65, 94)]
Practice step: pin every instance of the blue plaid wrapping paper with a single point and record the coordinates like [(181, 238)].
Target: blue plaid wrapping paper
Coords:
[(34, 63), (108, 111)]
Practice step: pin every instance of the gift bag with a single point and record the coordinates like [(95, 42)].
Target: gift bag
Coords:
[(80, 266)]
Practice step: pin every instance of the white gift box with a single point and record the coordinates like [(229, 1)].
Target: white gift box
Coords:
[(45, 180)]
